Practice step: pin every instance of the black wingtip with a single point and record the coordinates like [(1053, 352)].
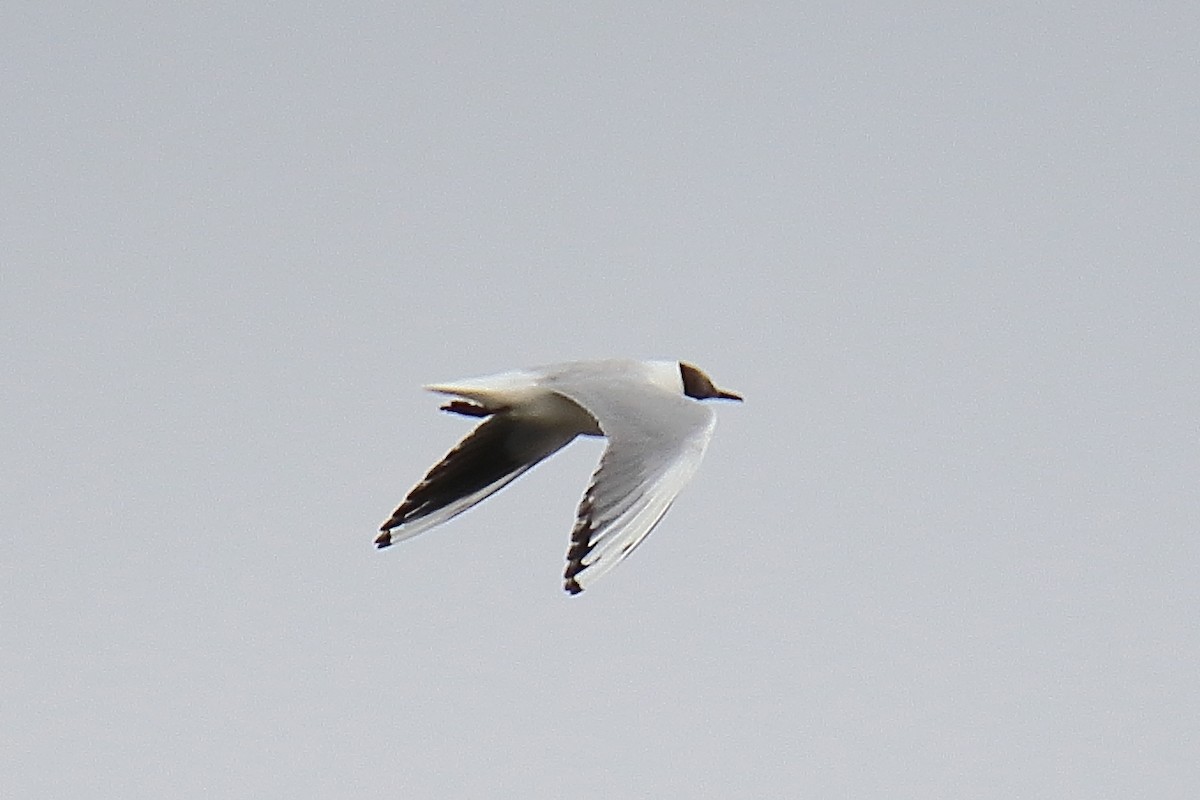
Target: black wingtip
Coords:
[(574, 567)]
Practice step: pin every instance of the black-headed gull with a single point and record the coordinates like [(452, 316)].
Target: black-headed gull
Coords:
[(656, 432)]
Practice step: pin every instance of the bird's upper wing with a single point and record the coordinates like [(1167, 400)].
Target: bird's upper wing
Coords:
[(656, 439)]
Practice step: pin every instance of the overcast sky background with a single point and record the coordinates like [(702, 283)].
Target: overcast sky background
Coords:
[(947, 547)]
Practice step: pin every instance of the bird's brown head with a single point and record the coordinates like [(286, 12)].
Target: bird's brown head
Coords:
[(697, 385)]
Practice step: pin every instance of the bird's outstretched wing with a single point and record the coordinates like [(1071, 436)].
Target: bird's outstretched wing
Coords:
[(498, 451), (656, 440)]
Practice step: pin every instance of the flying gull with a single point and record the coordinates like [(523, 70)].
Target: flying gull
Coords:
[(648, 411)]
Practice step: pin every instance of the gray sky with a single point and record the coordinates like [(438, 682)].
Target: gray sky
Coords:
[(947, 548)]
